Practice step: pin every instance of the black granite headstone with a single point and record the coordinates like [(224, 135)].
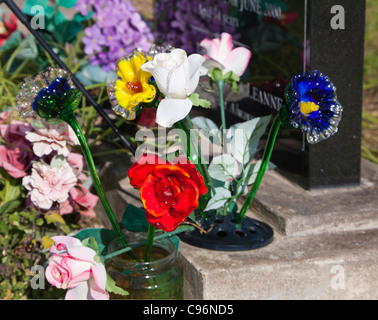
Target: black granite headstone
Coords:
[(286, 37)]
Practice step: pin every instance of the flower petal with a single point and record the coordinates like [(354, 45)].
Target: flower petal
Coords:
[(211, 48), (172, 110), (225, 47), (168, 222), (80, 292), (95, 292), (142, 168), (237, 61), (65, 242), (195, 62), (160, 75), (99, 275), (193, 173), (82, 253), (148, 197)]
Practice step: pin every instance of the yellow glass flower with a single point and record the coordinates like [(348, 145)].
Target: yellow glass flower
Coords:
[(132, 87)]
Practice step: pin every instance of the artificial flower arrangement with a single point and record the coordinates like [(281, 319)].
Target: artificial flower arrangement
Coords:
[(173, 187)]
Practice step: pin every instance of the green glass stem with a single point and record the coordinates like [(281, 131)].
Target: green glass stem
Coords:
[(264, 163), (220, 85), (150, 241), (68, 116), (179, 125), (189, 148)]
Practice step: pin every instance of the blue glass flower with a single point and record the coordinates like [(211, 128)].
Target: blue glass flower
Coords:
[(46, 93), (312, 106)]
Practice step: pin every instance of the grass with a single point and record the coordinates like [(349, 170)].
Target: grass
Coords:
[(369, 148)]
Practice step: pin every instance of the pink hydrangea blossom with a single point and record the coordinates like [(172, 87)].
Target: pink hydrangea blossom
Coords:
[(73, 267), (76, 161), (48, 184), (49, 137), (80, 200)]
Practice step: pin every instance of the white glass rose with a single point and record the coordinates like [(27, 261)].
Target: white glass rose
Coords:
[(176, 76)]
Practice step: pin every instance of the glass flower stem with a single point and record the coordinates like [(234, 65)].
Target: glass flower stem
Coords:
[(191, 150), (220, 85), (68, 116), (264, 163), (150, 241)]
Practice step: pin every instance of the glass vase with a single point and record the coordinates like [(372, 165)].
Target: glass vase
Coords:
[(160, 278)]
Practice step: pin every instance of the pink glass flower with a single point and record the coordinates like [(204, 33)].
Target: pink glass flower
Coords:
[(73, 267), (49, 137), (220, 54), (48, 184)]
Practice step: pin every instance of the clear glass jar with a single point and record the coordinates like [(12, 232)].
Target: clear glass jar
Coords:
[(161, 278)]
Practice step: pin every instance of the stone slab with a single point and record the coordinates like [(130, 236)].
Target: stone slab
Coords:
[(295, 211), (324, 266)]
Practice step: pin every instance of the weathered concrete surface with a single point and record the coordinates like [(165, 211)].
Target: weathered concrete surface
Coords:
[(325, 246), (295, 211), (324, 266)]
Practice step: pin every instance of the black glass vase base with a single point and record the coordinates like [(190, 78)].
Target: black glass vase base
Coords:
[(225, 235)]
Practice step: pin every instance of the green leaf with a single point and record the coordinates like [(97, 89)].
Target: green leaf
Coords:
[(134, 219), (54, 218), (194, 97), (103, 237), (252, 170), (208, 129), (231, 78), (29, 4), (72, 98), (12, 42), (245, 138), (220, 198), (14, 217), (176, 241), (28, 49), (9, 206), (112, 287), (67, 3), (224, 168), (79, 17), (90, 243), (68, 30), (12, 187)]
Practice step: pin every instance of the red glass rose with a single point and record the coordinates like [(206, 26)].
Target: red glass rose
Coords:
[(169, 192)]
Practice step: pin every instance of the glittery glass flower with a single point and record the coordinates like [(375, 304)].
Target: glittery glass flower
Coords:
[(312, 106), (46, 92), (132, 87)]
